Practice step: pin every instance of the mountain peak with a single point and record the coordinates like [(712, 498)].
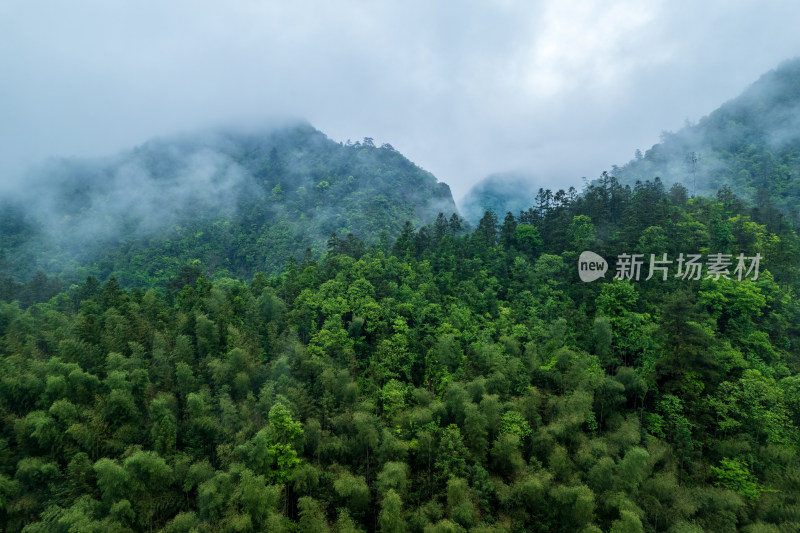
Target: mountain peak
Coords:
[(239, 200)]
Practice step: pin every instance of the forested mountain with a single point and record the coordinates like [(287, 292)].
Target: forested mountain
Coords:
[(500, 193), (271, 331), (444, 384), (751, 144), (231, 202)]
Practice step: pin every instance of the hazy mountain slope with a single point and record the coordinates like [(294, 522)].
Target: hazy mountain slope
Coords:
[(237, 202), (501, 193), (751, 142)]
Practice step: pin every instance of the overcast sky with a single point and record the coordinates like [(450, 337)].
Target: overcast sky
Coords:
[(555, 88)]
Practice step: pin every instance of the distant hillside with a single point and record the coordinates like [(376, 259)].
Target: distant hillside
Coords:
[(500, 193), (232, 203), (750, 144)]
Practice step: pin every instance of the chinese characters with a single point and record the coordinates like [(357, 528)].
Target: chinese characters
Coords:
[(689, 266)]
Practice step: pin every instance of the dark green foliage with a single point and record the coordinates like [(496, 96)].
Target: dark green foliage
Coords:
[(445, 382)]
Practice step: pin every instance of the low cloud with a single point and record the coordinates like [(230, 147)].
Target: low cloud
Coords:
[(464, 91)]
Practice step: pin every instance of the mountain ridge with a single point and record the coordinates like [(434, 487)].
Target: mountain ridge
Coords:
[(750, 143), (264, 197)]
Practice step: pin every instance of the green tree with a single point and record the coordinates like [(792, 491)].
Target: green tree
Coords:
[(312, 515), (390, 519)]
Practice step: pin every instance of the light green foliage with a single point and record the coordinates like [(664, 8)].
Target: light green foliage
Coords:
[(346, 524), (272, 451), (112, 480), (755, 405), (735, 475), (312, 515), (394, 476), (282, 428), (628, 523), (390, 519), (354, 491), (452, 457), (459, 502), (444, 526), (575, 505), (633, 469), (514, 423), (393, 396), (257, 498), (617, 298)]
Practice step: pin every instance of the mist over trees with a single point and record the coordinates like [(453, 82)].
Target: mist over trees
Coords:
[(749, 144), (235, 202), (500, 193)]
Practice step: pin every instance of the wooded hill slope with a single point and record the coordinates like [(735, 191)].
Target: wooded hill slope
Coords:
[(446, 384), (750, 144), (232, 202)]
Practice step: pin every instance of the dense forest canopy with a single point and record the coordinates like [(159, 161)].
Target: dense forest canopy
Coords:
[(444, 382)]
